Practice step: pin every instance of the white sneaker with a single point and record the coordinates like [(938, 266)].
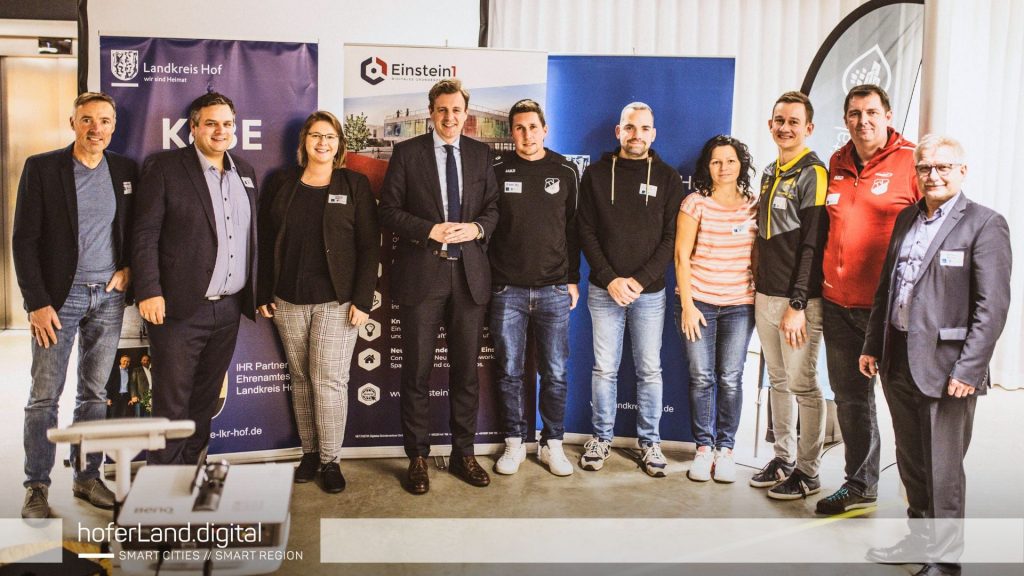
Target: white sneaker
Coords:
[(725, 466), (700, 469), (595, 452), (653, 461), (515, 453), (553, 455)]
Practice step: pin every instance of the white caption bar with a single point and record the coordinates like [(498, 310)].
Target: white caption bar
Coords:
[(649, 540)]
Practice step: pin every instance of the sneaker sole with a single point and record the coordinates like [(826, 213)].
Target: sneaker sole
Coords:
[(723, 480), (697, 479), (505, 471), (858, 506), (777, 496), (592, 466), (654, 472), (546, 462), (767, 483)]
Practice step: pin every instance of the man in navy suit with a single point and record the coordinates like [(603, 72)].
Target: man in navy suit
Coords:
[(440, 196), (195, 254), (940, 307), (71, 248)]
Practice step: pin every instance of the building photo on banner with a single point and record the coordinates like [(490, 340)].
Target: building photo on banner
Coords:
[(633, 287)]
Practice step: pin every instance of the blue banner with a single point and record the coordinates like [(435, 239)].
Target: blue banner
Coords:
[(274, 88), (692, 101)]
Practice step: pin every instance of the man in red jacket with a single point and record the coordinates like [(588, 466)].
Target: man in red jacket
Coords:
[(871, 179)]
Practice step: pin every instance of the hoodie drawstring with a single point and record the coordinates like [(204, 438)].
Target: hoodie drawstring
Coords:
[(647, 190)]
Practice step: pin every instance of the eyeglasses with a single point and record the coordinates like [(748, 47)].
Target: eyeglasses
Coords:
[(924, 170), (324, 137)]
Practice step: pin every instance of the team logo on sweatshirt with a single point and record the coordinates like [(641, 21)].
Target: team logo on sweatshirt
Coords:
[(551, 185), (880, 186)]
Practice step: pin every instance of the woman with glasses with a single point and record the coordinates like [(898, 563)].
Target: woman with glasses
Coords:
[(318, 256), (715, 309)]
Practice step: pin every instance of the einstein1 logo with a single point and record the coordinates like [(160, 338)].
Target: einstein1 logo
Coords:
[(373, 70)]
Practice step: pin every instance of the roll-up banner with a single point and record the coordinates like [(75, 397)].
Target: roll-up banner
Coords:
[(692, 101), (274, 88), (385, 103), (878, 43)]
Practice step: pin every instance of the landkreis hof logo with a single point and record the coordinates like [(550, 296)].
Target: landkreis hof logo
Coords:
[(124, 64)]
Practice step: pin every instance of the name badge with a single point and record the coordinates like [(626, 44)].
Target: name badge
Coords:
[(513, 187), (337, 199), (779, 203), (127, 188), (832, 199), (741, 228), (649, 191), (248, 182), (951, 258)]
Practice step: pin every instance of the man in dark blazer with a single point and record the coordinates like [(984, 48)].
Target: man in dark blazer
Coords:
[(118, 403), (940, 307), (141, 384), (71, 250), (440, 197), (195, 254)]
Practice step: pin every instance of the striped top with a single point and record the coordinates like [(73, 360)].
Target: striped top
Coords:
[(720, 270)]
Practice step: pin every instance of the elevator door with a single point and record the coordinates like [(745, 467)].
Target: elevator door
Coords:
[(37, 98)]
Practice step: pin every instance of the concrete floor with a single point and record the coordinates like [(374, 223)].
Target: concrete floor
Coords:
[(994, 466)]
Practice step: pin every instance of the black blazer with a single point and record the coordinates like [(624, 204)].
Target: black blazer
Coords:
[(45, 240), (175, 236), (351, 235), (410, 205)]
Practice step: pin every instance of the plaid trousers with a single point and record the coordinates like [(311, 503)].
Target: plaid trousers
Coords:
[(318, 342)]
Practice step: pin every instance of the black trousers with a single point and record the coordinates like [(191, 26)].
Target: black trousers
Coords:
[(190, 357), (932, 437), (445, 299)]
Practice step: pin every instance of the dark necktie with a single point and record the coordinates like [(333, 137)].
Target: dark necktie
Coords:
[(454, 204)]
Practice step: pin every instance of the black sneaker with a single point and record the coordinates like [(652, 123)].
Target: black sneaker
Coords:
[(36, 505), (773, 472), (843, 500), (798, 485), (308, 467), (331, 479)]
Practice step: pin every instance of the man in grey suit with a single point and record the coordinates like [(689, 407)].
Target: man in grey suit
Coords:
[(940, 307)]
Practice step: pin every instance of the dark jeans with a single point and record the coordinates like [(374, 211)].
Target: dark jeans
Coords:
[(190, 357), (855, 395), (513, 309), (716, 371)]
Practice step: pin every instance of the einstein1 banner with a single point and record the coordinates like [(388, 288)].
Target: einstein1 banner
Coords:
[(386, 103), (274, 88)]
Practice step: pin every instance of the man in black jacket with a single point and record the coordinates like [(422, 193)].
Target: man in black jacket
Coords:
[(627, 225), (71, 250), (194, 255), (535, 270)]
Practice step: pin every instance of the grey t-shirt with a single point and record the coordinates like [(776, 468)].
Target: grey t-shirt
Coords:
[(96, 207)]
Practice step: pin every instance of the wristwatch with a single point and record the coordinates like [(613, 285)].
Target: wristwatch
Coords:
[(797, 304)]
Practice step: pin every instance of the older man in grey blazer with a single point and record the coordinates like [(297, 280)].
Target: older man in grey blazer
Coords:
[(940, 307)]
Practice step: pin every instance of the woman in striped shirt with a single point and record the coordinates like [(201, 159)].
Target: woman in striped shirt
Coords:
[(715, 309)]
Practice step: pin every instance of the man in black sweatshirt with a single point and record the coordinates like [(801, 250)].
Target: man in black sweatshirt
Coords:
[(628, 205), (535, 269)]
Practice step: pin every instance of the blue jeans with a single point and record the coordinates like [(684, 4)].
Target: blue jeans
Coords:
[(513, 308), (646, 320), (716, 371), (95, 315)]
